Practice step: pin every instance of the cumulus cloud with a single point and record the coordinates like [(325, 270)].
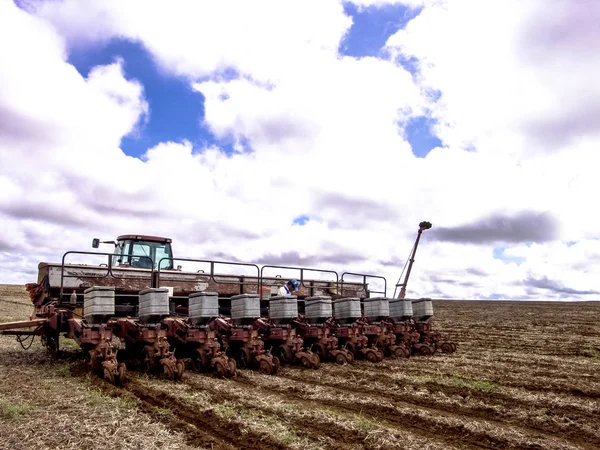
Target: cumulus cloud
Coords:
[(320, 134), (507, 55), (562, 44)]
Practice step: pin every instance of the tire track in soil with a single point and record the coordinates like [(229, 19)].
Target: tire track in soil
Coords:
[(304, 426), (574, 413), (390, 417), (533, 387), (342, 439), (513, 378), (201, 428), (576, 436)]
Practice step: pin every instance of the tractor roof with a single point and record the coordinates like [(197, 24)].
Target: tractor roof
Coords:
[(141, 237)]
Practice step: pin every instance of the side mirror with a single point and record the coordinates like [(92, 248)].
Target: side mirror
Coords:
[(95, 243), (179, 268)]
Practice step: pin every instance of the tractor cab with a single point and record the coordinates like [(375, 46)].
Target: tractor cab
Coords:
[(143, 252)]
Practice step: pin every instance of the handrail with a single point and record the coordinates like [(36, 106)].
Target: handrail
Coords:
[(302, 270), (212, 270), (109, 268), (365, 276)]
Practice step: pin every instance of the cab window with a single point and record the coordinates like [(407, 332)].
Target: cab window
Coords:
[(141, 255), (163, 251)]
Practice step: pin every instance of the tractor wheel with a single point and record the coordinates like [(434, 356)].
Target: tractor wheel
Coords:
[(285, 354), (341, 359), (425, 350), (372, 356), (179, 369), (306, 362), (168, 372), (380, 355), (453, 346), (446, 347), (108, 375), (402, 352), (231, 368), (221, 369), (266, 366), (121, 373), (316, 361), (349, 356)]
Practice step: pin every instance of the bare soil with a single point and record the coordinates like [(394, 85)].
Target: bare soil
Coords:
[(526, 375)]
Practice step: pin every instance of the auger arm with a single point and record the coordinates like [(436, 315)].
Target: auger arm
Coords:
[(422, 227)]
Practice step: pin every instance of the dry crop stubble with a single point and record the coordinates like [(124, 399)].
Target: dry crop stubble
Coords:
[(525, 376)]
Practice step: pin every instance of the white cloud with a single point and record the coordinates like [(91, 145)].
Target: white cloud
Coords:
[(509, 81), (323, 135)]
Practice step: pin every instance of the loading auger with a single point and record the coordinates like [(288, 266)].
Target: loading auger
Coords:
[(414, 327)]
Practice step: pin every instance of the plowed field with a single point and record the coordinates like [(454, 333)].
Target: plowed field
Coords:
[(525, 375)]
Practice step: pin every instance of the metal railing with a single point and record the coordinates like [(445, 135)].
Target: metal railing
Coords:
[(212, 273), (365, 284), (301, 278), (109, 269), (154, 275)]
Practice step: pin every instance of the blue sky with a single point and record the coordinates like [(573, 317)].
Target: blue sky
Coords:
[(499, 254), (177, 111)]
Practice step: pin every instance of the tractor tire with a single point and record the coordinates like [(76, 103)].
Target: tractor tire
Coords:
[(316, 361), (372, 356), (351, 349), (306, 362), (402, 352), (179, 369), (231, 368), (220, 369), (108, 375), (446, 347), (341, 359), (168, 372), (276, 365), (121, 374), (266, 366), (350, 357), (425, 350)]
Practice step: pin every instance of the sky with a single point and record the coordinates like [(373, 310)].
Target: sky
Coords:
[(310, 133)]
